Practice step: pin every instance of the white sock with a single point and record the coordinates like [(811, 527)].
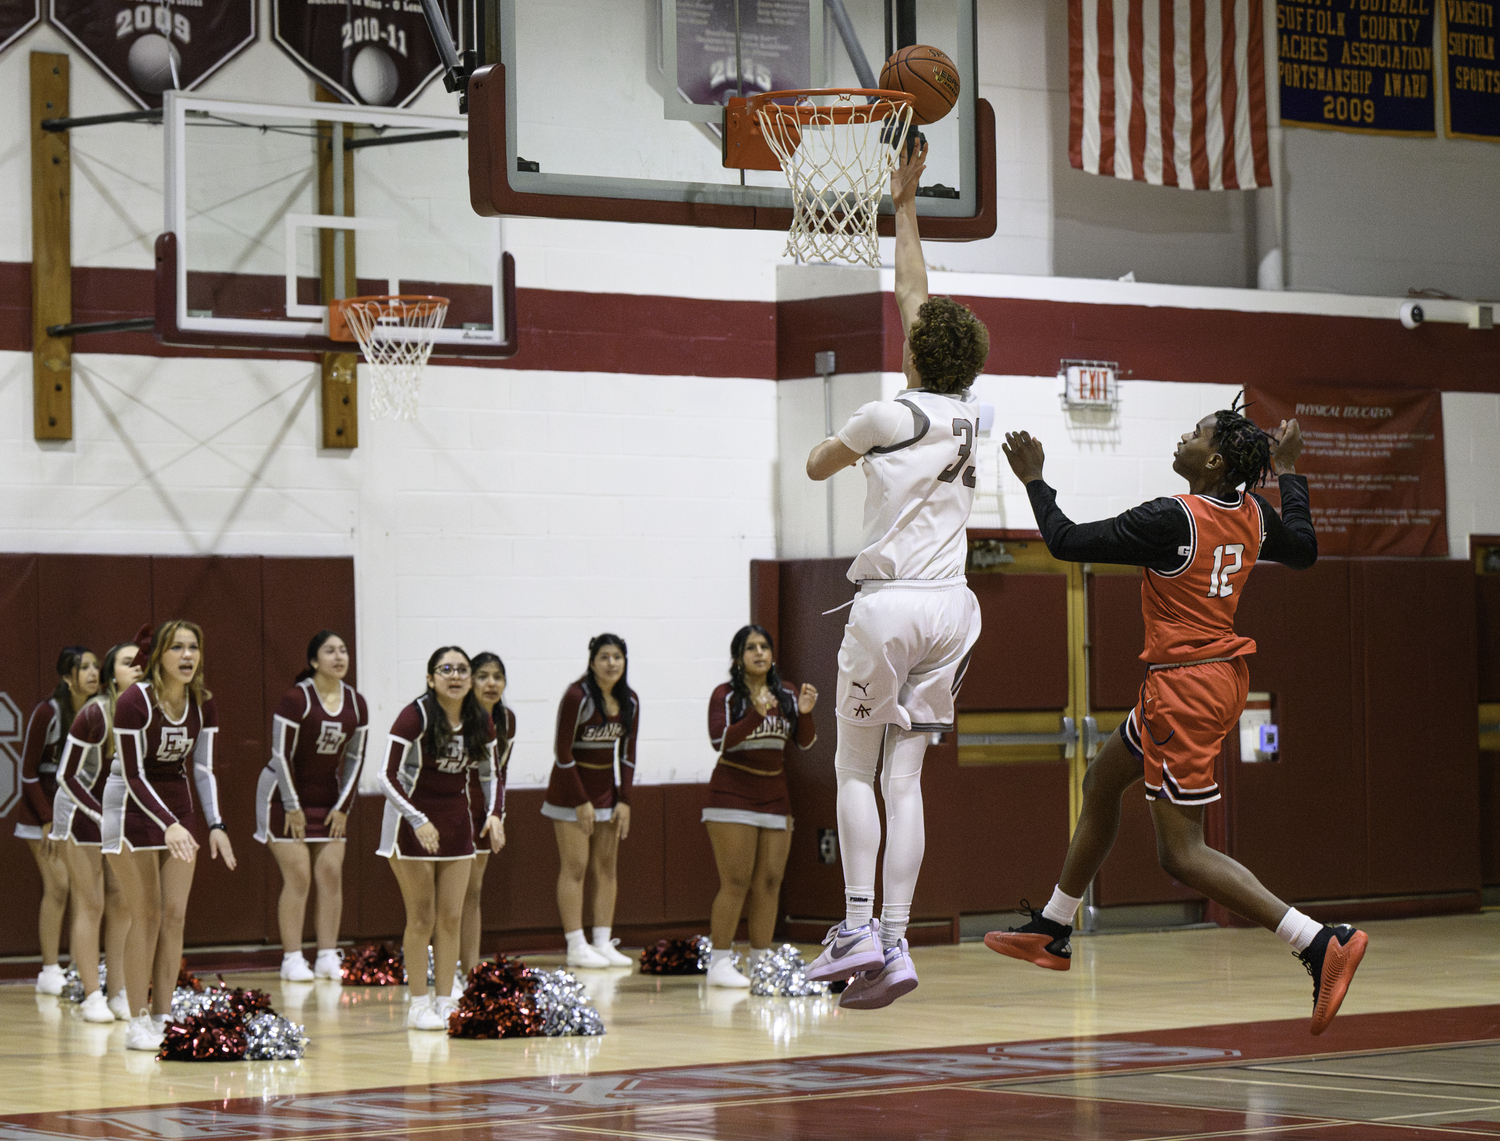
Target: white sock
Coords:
[(720, 953), (893, 920), (576, 941), (601, 936), (1062, 907), (290, 955), (1297, 929), (859, 906), (855, 761), (905, 828)]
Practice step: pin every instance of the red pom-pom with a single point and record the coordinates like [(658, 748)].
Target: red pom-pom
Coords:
[(205, 1038), (186, 977), (374, 964), (496, 1003), (673, 957)]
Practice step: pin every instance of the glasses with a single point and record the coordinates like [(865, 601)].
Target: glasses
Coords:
[(452, 671)]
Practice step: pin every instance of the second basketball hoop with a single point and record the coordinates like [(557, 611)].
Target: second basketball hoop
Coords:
[(837, 148), (395, 334)]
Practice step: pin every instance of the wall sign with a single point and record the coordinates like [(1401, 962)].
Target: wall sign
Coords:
[(16, 18), (774, 48), (148, 48), (1354, 65), (1374, 465), (1470, 71), (376, 52)]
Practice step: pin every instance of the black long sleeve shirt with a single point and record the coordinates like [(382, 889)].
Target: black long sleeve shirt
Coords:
[(1156, 534)]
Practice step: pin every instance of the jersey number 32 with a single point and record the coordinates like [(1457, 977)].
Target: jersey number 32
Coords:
[(965, 430)]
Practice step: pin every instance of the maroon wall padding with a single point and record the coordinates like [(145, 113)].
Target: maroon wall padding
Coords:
[(21, 672), (1131, 873), (1487, 598), (1416, 626), (850, 326), (1301, 623), (88, 600), (1021, 659), (690, 878), (1489, 818), (1117, 631)]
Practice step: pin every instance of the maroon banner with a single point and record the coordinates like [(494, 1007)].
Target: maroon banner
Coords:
[(377, 52), (1374, 465), (150, 48), (16, 16)]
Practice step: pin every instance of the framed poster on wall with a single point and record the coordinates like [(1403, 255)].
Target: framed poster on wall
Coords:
[(1348, 66), (17, 17), (148, 48)]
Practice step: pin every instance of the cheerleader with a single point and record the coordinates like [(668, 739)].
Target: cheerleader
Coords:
[(76, 812), (161, 722), (78, 680), (597, 723), (428, 834), (303, 797), (753, 719), (489, 686)]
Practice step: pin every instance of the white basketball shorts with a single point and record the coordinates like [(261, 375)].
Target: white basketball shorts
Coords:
[(905, 650)]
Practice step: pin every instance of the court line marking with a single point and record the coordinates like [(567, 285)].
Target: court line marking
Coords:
[(1375, 1077), (1327, 1089)]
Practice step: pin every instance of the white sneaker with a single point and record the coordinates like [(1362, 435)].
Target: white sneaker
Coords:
[(460, 984), (588, 956), (51, 980), (142, 1033), (444, 1007), (723, 973), (329, 965), (120, 1007), (294, 969), (423, 1015), (96, 1009), (612, 957)]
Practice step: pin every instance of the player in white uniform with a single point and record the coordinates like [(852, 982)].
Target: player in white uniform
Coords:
[(914, 621)]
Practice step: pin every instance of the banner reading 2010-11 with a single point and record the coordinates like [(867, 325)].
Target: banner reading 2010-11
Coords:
[(1357, 65)]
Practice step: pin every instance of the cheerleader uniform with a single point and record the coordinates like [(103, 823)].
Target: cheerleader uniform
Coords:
[(475, 789), (587, 745), (148, 789), (39, 753), (315, 761), (748, 785), (82, 774), (421, 788)]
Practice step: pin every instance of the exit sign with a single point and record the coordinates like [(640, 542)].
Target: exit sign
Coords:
[(1091, 384)]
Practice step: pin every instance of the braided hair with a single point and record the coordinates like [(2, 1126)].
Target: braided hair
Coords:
[(1246, 448), (740, 689)]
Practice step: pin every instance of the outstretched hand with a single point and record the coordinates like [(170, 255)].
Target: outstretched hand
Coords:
[(908, 176), (1286, 446), (1025, 455)]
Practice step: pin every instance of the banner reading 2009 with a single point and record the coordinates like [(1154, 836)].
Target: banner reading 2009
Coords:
[(1357, 65)]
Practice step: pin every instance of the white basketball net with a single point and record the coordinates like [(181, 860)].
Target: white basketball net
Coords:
[(838, 159), (395, 335)]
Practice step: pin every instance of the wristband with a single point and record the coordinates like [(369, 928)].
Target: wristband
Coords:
[(218, 827)]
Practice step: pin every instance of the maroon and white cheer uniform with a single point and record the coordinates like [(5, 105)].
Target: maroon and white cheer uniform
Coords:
[(82, 774), (587, 748), (315, 761), (148, 788), (748, 785), (421, 788), (40, 750), (479, 809)]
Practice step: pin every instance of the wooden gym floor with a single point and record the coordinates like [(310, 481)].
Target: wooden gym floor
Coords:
[(1188, 1034)]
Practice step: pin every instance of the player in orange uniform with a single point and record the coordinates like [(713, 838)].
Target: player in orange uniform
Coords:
[(1197, 551)]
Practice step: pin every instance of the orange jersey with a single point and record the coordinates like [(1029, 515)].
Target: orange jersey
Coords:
[(1189, 612)]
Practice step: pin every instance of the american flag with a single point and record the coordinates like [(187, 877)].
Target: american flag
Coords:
[(1171, 92)]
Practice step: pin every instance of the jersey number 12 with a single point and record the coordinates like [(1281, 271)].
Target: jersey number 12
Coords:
[(1219, 585), (964, 428)]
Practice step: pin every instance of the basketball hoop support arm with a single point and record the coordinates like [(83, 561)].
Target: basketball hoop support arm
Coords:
[(456, 71)]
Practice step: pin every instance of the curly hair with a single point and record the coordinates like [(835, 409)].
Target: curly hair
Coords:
[(948, 345), (1245, 447)]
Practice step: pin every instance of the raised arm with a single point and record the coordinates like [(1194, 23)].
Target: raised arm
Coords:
[(911, 268), (723, 733)]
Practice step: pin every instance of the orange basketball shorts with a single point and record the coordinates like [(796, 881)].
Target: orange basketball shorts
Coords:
[(1178, 726)]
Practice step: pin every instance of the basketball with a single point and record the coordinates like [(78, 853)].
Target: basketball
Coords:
[(152, 60), (928, 76)]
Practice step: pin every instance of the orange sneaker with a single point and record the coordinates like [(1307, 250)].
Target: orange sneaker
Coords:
[(1332, 958), (1041, 941)]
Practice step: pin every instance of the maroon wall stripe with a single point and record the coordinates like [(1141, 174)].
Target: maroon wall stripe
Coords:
[(1075, 84), (1106, 68), (1167, 54), (648, 335), (1229, 93)]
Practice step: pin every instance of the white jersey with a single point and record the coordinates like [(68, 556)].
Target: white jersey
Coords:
[(919, 478)]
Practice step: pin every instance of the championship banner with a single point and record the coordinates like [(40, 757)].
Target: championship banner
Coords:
[(150, 48), (774, 51), (1374, 465), (16, 18), (1471, 74), (376, 52), (1357, 65)]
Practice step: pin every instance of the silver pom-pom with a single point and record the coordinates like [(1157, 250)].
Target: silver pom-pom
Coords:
[(782, 972), (705, 947), (562, 1005), (73, 985), (187, 1002), (272, 1037)]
